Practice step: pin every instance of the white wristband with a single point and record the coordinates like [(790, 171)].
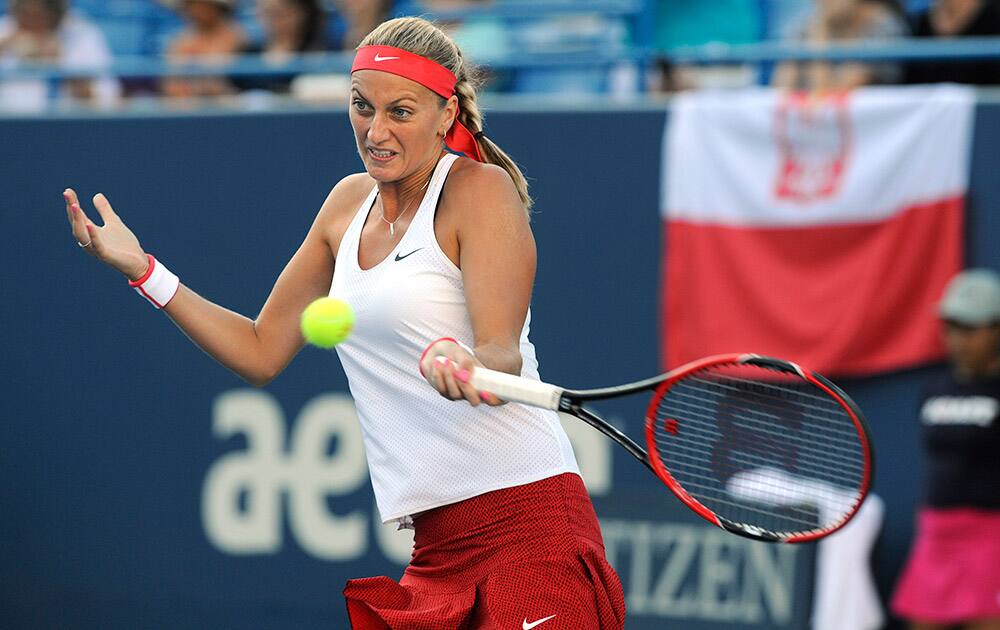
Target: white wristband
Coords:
[(158, 285)]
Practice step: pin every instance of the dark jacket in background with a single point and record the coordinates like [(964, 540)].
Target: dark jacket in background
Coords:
[(973, 72)]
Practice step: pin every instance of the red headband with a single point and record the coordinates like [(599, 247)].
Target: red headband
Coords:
[(427, 73)]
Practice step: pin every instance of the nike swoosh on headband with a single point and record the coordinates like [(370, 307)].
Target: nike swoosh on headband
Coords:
[(381, 58)]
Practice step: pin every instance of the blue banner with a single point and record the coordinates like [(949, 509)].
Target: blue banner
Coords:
[(146, 486)]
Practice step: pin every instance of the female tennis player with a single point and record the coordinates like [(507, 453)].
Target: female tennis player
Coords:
[(435, 254), (952, 577)]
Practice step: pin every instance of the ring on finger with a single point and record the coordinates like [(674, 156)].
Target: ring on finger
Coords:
[(85, 245)]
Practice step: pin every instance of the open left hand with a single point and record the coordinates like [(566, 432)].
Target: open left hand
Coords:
[(113, 243)]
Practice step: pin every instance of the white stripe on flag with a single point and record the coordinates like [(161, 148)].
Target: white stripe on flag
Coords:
[(725, 154)]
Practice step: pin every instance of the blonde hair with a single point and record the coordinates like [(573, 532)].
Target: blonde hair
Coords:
[(421, 37)]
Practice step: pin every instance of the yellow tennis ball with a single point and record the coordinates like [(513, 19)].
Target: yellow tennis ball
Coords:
[(327, 321)]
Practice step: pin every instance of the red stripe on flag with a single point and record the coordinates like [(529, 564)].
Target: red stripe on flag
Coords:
[(840, 299)]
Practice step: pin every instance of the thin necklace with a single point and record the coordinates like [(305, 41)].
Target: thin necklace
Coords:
[(392, 224)]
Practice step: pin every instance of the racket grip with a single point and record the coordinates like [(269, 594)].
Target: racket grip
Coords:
[(516, 388)]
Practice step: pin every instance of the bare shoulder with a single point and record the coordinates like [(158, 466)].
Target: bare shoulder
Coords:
[(341, 205), (347, 194), (476, 191)]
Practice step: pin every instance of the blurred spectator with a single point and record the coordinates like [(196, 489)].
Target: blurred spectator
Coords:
[(583, 33), (695, 22), (786, 17), (482, 38), (957, 18), (953, 571), (351, 22), (359, 18), (211, 35), (486, 38), (682, 23), (844, 21), (42, 31), (290, 27)]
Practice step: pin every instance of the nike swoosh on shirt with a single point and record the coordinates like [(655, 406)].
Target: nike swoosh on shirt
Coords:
[(379, 57), (528, 626), (399, 258)]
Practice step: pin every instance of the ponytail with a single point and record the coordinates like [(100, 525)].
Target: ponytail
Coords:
[(472, 118)]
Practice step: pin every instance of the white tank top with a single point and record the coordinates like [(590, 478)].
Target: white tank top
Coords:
[(423, 450)]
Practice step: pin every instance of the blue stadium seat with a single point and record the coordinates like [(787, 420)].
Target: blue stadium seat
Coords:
[(125, 36)]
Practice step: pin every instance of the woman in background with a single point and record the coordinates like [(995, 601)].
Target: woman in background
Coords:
[(45, 31), (211, 36), (291, 28), (956, 18), (953, 573), (358, 17), (843, 21)]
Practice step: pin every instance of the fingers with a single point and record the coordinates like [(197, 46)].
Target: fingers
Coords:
[(70, 196), (448, 367), (77, 219), (448, 385), (446, 377), (461, 375), (95, 239), (464, 375), (81, 226), (104, 208), (85, 231)]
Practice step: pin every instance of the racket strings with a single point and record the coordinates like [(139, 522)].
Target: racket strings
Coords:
[(809, 511), (847, 456), (779, 399), (697, 471), (807, 522), (779, 390), (762, 448), (743, 461), (770, 412), (765, 419)]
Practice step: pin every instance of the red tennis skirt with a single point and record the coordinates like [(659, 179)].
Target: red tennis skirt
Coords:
[(530, 556), (953, 573)]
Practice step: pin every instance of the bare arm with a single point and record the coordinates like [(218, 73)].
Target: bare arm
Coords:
[(786, 76), (498, 258), (256, 350), (496, 253), (853, 75)]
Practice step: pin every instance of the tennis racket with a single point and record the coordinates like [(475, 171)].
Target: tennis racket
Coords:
[(758, 446)]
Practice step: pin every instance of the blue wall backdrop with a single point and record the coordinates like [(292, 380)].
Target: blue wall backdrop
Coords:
[(145, 486)]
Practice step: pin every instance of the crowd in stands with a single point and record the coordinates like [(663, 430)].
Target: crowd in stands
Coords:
[(821, 22), (79, 36), (86, 35), (875, 20)]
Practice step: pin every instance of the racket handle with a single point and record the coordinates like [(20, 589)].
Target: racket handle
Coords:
[(516, 388)]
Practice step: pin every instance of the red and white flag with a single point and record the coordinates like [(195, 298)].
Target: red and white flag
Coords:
[(820, 232)]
